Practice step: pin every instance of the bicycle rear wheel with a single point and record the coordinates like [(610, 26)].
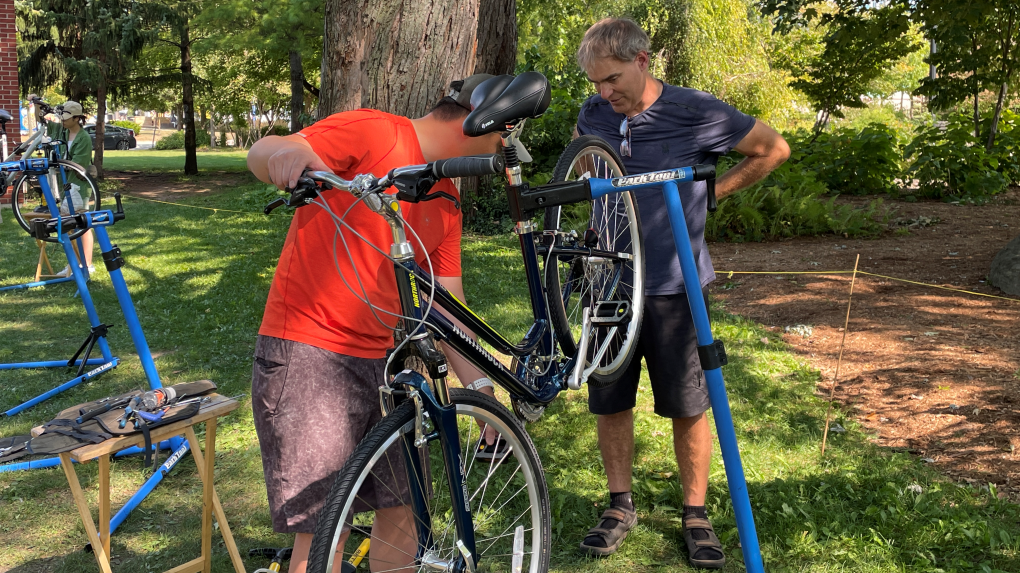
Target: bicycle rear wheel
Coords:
[(508, 497), (573, 283), (28, 202)]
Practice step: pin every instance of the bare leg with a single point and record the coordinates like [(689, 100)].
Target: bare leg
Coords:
[(394, 541), (692, 442), (616, 442), (87, 241)]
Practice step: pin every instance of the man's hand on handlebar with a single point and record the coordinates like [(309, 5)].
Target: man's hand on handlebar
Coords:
[(282, 160)]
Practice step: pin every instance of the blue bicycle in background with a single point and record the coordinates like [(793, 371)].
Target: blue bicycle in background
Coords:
[(447, 509)]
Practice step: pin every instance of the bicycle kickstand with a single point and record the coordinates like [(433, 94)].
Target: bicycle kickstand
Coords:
[(95, 334)]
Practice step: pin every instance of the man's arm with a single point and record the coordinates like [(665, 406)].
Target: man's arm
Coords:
[(281, 160), (764, 151), (465, 371)]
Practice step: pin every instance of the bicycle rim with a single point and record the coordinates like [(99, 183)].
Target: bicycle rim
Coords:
[(27, 195), (503, 496), (572, 284)]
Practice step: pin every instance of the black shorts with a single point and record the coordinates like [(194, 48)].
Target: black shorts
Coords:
[(669, 345)]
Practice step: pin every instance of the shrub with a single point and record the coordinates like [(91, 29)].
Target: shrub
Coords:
[(128, 125), (176, 140), (948, 162), (790, 203), (852, 161), (1006, 149)]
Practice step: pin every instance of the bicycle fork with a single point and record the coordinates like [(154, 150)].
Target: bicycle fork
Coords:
[(435, 420)]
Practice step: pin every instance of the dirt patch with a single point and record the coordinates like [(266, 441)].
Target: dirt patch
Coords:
[(173, 186), (929, 371)]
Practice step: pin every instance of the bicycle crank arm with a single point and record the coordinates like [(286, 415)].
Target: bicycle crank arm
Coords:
[(580, 374)]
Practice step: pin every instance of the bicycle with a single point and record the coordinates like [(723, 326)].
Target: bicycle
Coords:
[(28, 201), (586, 301)]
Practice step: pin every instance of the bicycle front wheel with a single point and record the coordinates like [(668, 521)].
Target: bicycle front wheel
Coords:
[(576, 282), (394, 498), (70, 185)]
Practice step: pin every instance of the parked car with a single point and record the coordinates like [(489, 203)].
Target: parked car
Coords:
[(114, 137)]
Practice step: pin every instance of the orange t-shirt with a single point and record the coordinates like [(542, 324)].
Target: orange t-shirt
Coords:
[(308, 301)]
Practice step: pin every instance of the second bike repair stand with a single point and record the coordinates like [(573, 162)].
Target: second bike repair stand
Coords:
[(713, 357), (4, 118), (97, 332), (97, 221)]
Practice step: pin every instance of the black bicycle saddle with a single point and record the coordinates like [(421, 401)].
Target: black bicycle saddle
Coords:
[(526, 96), (489, 90), (4, 116)]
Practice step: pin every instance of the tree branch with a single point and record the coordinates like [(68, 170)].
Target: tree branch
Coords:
[(308, 86)]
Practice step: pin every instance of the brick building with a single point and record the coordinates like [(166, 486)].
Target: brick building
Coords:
[(9, 100)]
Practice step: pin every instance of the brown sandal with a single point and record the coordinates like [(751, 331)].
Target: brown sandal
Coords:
[(708, 542), (626, 519)]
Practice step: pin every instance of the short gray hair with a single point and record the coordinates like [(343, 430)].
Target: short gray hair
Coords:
[(619, 38)]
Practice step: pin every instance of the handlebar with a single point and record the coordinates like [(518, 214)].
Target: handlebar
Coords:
[(472, 166), (413, 182)]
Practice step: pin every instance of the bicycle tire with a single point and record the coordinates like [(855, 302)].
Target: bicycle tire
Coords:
[(601, 158), (393, 433), (26, 195)]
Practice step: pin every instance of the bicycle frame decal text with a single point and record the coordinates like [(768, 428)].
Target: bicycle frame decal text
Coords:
[(654, 177), (414, 291)]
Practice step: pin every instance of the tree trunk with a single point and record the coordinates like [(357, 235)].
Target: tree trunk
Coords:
[(97, 152), (497, 37), (297, 91), (397, 56), (212, 128), (188, 103), (995, 117), (977, 116)]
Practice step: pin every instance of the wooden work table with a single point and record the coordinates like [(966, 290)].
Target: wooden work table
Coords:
[(100, 539)]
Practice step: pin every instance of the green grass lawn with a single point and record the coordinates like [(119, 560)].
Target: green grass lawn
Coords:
[(173, 160), (199, 281)]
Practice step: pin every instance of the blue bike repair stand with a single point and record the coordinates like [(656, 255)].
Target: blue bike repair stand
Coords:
[(97, 332), (716, 388), (98, 221)]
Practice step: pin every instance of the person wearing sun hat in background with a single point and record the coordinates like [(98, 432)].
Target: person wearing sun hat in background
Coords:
[(68, 128)]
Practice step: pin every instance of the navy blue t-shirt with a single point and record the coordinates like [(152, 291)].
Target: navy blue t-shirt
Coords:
[(683, 127)]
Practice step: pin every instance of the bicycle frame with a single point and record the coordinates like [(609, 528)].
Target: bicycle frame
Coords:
[(524, 200)]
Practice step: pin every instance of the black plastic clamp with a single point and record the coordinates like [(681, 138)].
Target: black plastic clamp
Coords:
[(113, 259), (712, 356)]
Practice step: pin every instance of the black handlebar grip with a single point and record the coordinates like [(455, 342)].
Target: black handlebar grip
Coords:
[(471, 166)]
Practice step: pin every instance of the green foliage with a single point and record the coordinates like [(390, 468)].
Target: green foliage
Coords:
[(950, 163), (127, 125), (1006, 148), (725, 47), (176, 140), (860, 40), (790, 202), (851, 161)]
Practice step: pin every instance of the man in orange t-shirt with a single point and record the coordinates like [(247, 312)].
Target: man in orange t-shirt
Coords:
[(319, 358)]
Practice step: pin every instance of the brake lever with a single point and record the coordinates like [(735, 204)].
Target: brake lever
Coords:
[(442, 195), (302, 194)]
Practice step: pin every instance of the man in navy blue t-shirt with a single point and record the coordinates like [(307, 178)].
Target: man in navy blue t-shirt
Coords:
[(657, 126)]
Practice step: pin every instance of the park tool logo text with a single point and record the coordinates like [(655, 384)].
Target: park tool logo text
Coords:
[(654, 177)]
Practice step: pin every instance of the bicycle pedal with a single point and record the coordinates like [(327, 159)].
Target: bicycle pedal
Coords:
[(609, 313)]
